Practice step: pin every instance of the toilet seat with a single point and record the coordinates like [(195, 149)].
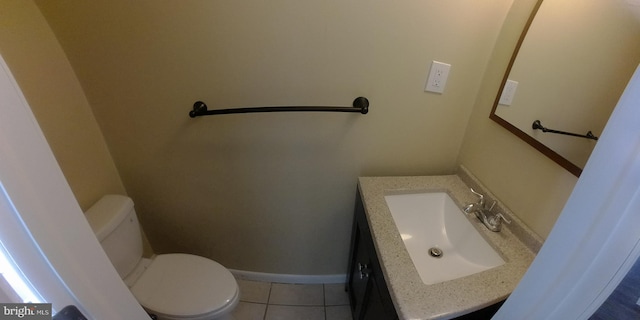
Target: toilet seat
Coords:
[(186, 286)]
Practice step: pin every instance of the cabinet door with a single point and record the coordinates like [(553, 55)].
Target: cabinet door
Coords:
[(375, 309), (368, 292), (378, 304), (359, 280)]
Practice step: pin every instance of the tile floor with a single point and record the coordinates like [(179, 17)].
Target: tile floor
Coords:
[(279, 301)]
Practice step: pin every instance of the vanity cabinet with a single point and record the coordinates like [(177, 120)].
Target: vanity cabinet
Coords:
[(368, 293)]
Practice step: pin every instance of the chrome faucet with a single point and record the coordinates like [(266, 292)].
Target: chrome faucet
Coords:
[(492, 220)]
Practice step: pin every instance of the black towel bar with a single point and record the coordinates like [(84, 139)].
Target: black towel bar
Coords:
[(537, 125), (360, 104)]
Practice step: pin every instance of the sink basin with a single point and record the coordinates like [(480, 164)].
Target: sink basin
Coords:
[(441, 241)]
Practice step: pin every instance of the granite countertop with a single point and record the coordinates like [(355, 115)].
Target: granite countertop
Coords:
[(411, 297)]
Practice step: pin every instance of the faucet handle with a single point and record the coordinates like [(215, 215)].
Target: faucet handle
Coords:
[(494, 223), (480, 197), (493, 204), (500, 216)]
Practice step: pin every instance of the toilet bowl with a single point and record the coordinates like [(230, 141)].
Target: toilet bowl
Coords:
[(171, 286)]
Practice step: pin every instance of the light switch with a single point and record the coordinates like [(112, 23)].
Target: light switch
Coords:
[(508, 92), (437, 77)]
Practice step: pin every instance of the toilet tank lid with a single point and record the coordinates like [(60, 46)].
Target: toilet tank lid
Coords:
[(106, 214)]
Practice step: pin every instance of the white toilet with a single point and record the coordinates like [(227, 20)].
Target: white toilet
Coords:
[(171, 286)]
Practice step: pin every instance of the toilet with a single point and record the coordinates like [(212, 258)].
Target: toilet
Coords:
[(171, 286)]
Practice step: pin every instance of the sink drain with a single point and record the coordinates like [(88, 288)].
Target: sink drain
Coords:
[(435, 252)]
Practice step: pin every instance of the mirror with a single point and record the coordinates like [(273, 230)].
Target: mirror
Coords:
[(568, 71)]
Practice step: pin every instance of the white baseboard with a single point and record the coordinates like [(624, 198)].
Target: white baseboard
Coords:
[(289, 278)]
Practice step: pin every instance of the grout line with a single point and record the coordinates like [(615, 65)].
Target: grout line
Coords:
[(324, 300), (324, 296), (266, 308), (269, 295), (264, 316), (297, 305)]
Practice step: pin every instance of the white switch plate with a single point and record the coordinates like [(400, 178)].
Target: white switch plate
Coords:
[(437, 77), (508, 92)]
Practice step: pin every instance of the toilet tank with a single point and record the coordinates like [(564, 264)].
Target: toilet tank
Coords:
[(116, 226)]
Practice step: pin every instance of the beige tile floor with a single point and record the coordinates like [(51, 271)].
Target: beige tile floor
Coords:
[(278, 301)]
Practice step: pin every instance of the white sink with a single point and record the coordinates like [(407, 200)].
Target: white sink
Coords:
[(432, 220)]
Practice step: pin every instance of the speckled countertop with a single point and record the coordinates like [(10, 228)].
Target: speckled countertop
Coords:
[(412, 298)]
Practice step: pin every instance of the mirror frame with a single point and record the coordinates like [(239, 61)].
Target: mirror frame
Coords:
[(556, 157)]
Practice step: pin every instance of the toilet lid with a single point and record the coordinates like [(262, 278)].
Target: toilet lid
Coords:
[(185, 285)]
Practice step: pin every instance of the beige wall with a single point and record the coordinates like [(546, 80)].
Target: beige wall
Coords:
[(52, 90), (530, 184), (272, 192)]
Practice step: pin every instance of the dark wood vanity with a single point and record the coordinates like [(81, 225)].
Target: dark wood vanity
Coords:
[(368, 292), (367, 288)]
